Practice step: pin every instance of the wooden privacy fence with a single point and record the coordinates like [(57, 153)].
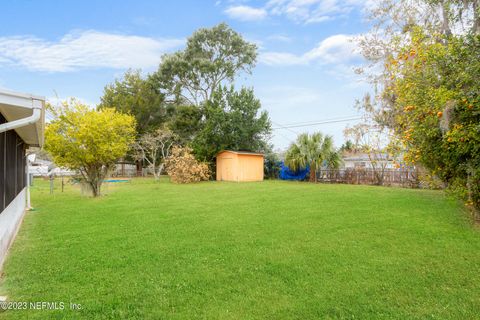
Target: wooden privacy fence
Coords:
[(397, 177)]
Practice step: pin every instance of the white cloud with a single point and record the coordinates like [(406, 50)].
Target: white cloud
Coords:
[(301, 11), (334, 49), (318, 19), (281, 58), (314, 11), (246, 13), (337, 49), (85, 49)]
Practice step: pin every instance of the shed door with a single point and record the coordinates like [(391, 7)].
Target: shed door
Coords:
[(227, 170)]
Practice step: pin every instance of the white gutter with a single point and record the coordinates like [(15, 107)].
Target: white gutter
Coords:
[(37, 113)]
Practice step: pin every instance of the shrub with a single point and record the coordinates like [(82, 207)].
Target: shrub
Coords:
[(271, 167), (182, 167)]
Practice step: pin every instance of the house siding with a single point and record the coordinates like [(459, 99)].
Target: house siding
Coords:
[(10, 221)]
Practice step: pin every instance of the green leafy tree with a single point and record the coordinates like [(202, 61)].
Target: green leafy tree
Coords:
[(313, 150), (427, 91), (89, 141), (137, 96), (437, 109), (232, 120), (212, 57), (186, 122), (271, 166), (348, 146)]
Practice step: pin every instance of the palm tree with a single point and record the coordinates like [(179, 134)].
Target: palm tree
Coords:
[(313, 150)]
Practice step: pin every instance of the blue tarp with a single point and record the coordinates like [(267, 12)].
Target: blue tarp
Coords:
[(287, 174)]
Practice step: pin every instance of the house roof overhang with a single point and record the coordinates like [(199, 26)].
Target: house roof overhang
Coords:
[(16, 106)]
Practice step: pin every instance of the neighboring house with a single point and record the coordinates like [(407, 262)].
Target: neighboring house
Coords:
[(22, 121), (239, 166), (43, 168), (39, 168), (360, 160)]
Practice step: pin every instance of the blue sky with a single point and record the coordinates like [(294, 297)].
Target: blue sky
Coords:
[(304, 71)]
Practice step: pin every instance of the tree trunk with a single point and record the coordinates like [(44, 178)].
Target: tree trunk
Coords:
[(139, 166), (476, 17), (95, 189), (313, 174), (94, 178), (445, 17), (95, 184), (160, 170)]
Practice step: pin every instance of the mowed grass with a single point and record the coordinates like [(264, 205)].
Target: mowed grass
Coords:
[(270, 250)]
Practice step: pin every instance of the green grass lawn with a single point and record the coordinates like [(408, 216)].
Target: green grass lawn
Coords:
[(270, 250)]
